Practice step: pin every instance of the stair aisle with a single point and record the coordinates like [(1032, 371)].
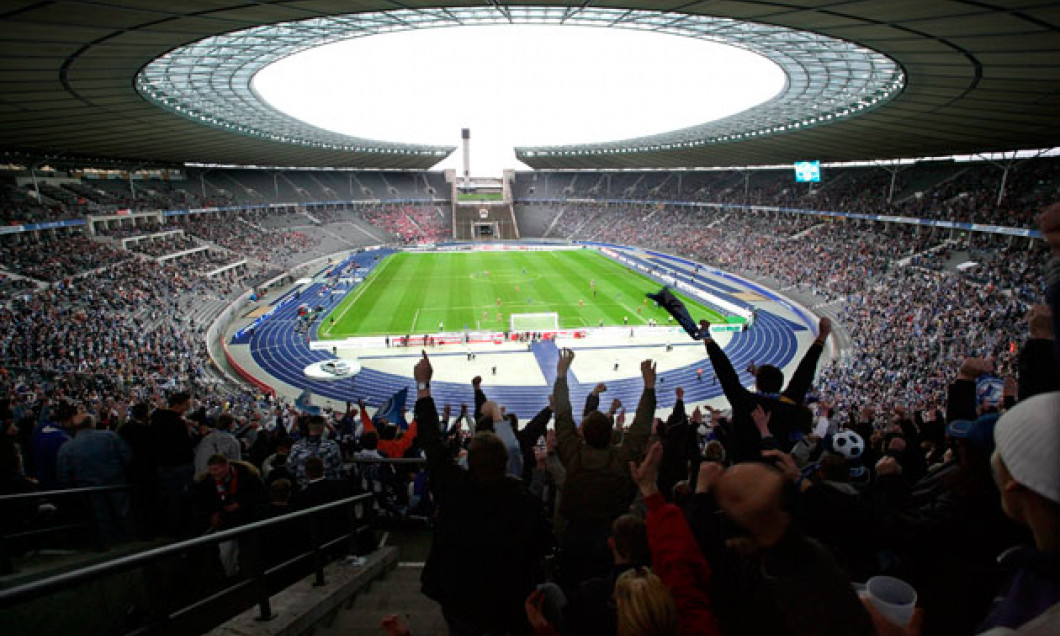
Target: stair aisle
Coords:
[(397, 593)]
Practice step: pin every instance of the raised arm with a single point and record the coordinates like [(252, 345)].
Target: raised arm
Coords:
[(638, 434), (567, 439), (427, 416), (679, 414), (592, 401), (480, 397), (802, 379), (535, 430), (960, 395), (675, 556), (735, 392)]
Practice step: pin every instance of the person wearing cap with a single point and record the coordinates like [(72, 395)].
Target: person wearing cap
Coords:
[(1026, 466), (314, 445)]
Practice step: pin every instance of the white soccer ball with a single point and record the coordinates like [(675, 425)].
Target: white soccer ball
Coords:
[(848, 444)]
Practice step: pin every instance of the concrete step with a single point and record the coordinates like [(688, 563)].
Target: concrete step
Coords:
[(397, 593), (302, 607)]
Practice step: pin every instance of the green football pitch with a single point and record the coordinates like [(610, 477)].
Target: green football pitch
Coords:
[(410, 293)]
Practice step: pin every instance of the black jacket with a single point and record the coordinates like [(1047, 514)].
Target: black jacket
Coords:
[(172, 442), (787, 414), (489, 542)]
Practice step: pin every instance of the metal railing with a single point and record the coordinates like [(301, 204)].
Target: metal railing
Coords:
[(204, 613), (84, 494)]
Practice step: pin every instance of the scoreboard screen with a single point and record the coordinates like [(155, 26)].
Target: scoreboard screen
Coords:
[(807, 171)]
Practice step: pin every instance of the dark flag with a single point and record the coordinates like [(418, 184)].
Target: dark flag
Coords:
[(670, 303)]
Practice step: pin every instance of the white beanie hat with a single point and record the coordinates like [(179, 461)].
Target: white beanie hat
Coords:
[(1028, 440)]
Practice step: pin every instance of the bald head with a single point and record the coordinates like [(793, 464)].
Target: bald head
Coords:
[(750, 494)]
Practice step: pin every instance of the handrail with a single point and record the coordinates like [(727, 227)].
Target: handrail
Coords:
[(16, 595), (42, 494), (388, 460)]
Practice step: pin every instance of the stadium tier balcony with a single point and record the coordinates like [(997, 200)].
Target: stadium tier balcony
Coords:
[(57, 258)]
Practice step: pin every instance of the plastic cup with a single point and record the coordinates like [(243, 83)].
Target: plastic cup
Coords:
[(893, 598)]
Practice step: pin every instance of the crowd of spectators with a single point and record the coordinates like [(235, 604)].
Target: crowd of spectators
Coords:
[(754, 520), (905, 321), (758, 519), (964, 192), (56, 258), (161, 246), (143, 227), (411, 224), (240, 233)]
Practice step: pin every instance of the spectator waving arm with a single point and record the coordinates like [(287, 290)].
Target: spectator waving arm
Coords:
[(676, 559), (738, 396), (567, 439), (637, 436), (800, 382)]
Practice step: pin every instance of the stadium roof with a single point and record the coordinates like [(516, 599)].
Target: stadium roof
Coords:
[(977, 77)]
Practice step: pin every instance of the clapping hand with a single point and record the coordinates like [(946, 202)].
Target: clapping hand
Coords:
[(534, 614), (393, 626), (704, 331), (708, 475), (647, 371), (646, 473), (566, 356), (761, 419), (824, 327), (786, 464)]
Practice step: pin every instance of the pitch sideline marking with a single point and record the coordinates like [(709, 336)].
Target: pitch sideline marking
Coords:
[(361, 289)]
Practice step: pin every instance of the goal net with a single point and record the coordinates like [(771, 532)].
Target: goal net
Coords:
[(535, 322)]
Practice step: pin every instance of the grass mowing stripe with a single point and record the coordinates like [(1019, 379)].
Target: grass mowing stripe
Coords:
[(454, 289), (350, 299)]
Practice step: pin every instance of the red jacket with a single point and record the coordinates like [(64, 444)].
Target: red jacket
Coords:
[(677, 560), (392, 448)]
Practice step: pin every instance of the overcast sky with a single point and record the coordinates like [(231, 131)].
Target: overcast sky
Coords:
[(516, 85)]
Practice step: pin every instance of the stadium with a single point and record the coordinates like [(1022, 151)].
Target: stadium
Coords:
[(788, 368)]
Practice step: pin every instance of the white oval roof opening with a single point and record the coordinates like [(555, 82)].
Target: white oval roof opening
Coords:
[(516, 85)]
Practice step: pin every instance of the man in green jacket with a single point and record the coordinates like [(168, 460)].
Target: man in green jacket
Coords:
[(598, 488)]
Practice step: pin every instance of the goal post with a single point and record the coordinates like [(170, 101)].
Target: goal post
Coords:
[(535, 322)]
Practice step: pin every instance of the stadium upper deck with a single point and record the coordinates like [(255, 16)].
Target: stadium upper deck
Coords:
[(977, 77)]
